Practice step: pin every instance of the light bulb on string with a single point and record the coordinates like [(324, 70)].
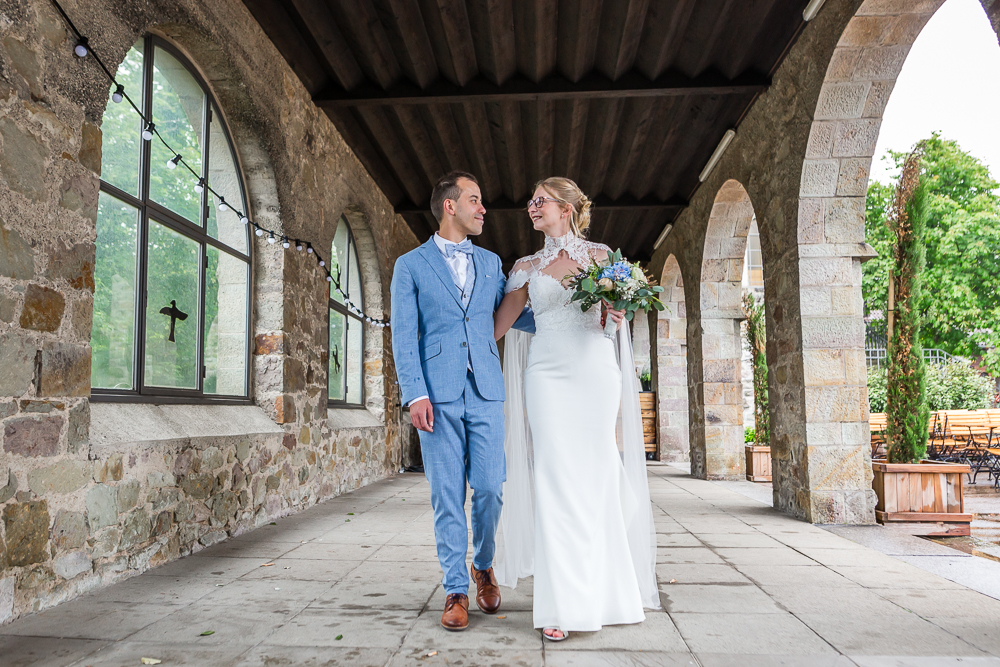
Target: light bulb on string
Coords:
[(81, 48), (223, 206), (329, 279), (322, 262), (245, 220), (119, 94), (200, 186), (147, 134), (173, 162), (270, 238), (285, 243), (259, 232), (298, 245), (309, 248)]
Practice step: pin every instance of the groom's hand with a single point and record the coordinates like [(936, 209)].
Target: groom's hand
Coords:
[(422, 415)]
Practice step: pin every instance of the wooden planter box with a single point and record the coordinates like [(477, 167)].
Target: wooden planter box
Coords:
[(923, 498), (758, 463), (647, 405)]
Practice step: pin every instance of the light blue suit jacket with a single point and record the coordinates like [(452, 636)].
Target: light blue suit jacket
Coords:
[(434, 338)]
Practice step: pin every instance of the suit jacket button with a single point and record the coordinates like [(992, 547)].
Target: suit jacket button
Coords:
[(466, 319), (464, 344)]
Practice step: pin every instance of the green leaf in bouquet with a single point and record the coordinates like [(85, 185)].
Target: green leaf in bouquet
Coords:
[(629, 315), (643, 293), (611, 257), (618, 255), (578, 295), (588, 285), (620, 304), (659, 305), (656, 288)]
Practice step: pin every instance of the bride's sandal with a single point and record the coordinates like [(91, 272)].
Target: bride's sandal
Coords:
[(549, 633)]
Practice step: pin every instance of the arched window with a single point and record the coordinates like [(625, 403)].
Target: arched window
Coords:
[(346, 328), (172, 274)]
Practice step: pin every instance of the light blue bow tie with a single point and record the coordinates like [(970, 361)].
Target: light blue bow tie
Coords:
[(451, 248)]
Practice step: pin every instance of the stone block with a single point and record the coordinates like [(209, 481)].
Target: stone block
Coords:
[(17, 364), (112, 470), (842, 100), (72, 564), (846, 300), (102, 507), (43, 308), (198, 485), (824, 367), (17, 258), (25, 159), (8, 490), (825, 271), (842, 64), (810, 222), (856, 138), (211, 459), (213, 537), (28, 436), (74, 264), (64, 370), (273, 343), (91, 147), (128, 495), (815, 302), (163, 524), (69, 531), (106, 543), (866, 30), (66, 476), (819, 178), (6, 596), (225, 505), (26, 526), (159, 480), (905, 29), (721, 370), (881, 63), (878, 98), (832, 332), (8, 306), (161, 499), (243, 450), (853, 178), (136, 529)]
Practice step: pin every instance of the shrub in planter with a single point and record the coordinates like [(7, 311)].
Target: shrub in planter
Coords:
[(951, 386)]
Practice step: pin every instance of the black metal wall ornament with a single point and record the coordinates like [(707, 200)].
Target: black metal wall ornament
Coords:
[(175, 314)]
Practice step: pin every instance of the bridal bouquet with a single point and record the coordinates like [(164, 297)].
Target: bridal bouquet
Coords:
[(621, 284)]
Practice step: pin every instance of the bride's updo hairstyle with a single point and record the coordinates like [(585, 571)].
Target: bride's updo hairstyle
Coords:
[(567, 192)]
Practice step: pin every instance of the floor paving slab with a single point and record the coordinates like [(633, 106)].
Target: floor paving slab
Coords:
[(752, 587), (717, 599), (362, 628), (750, 633), (310, 656), (45, 651)]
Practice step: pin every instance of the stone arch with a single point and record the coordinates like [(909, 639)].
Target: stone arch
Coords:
[(834, 463), (670, 333), (371, 286), (720, 291)]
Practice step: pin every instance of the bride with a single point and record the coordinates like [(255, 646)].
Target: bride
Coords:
[(576, 511)]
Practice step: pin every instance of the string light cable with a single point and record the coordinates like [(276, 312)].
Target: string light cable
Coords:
[(83, 48)]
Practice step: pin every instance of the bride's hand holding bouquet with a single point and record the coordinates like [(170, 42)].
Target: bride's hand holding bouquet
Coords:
[(622, 285)]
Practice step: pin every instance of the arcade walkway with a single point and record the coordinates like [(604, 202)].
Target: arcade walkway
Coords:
[(354, 582)]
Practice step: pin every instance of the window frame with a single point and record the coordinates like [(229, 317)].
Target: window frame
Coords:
[(149, 212), (334, 305)]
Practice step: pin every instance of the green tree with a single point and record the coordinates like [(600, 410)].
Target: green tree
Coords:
[(906, 398), (960, 303)]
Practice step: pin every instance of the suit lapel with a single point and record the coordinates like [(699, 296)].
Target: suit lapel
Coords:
[(480, 272), (432, 255)]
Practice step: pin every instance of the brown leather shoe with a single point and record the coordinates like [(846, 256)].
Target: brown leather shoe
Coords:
[(456, 612), (487, 590)]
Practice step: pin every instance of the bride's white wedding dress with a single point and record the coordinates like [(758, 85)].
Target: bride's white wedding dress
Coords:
[(576, 509)]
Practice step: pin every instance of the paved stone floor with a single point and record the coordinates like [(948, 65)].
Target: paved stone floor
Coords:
[(354, 582)]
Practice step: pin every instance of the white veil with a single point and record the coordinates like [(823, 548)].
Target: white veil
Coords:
[(515, 541)]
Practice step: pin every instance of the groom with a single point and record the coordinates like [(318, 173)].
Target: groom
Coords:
[(444, 295)]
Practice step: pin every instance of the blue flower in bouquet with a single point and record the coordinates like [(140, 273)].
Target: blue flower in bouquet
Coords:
[(618, 271)]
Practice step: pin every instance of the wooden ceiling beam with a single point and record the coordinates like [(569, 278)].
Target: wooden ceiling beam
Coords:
[(555, 87), (601, 203)]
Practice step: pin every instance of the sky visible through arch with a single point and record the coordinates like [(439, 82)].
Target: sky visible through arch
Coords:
[(950, 83)]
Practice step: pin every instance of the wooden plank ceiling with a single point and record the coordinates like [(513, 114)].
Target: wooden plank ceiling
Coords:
[(627, 97)]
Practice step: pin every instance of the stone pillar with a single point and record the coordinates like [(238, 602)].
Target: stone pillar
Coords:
[(669, 366)]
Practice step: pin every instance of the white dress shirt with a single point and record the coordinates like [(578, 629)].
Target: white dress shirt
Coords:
[(459, 263)]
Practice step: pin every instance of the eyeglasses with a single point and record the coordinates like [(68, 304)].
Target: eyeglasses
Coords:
[(537, 202)]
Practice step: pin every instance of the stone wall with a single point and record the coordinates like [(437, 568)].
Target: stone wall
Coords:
[(92, 492)]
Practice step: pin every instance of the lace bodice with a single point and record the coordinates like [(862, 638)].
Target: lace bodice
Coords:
[(549, 300)]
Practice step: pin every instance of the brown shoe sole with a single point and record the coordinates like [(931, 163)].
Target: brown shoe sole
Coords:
[(450, 629)]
